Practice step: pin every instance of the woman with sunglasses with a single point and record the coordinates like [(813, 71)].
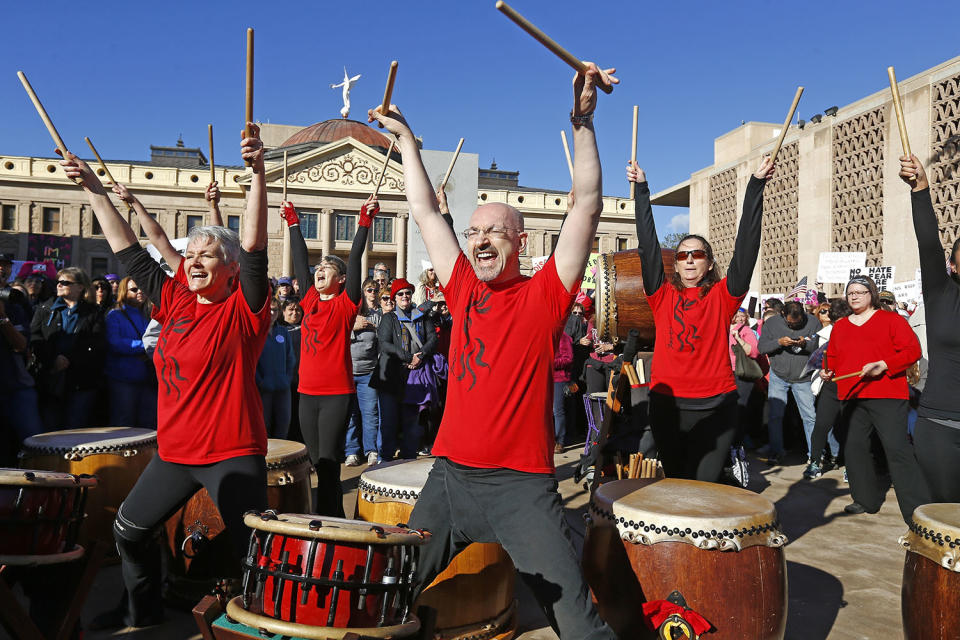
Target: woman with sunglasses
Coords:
[(102, 294), (878, 346), (693, 393), (133, 383), (67, 338), (326, 368), (363, 432)]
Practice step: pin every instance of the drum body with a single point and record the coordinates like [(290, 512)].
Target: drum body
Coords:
[(328, 572), (476, 590), (621, 302), (116, 455), (40, 512), (719, 546), (197, 547), (931, 573)]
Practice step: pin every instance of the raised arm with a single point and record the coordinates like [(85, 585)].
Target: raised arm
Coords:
[(117, 231), (925, 224), (580, 229), (746, 248), (439, 238), (151, 228), (355, 277), (648, 245), (298, 247), (212, 196), (444, 209), (253, 242)]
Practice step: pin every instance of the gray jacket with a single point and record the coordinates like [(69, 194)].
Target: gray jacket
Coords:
[(788, 362), (363, 347)]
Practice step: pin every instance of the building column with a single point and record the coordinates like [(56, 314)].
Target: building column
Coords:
[(402, 244), (326, 235)]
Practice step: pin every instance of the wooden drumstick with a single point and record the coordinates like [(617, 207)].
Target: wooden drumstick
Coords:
[(388, 92), (57, 140), (103, 165), (248, 104), (383, 170), (848, 375), (786, 124), (546, 41), (213, 176), (898, 108), (633, 148), (453, 161), (284, 176), (566, 152)]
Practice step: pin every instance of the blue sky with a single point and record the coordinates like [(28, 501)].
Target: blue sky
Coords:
[(133, 74)]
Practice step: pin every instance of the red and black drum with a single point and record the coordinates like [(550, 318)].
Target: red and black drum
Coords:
[(931, 573), (306, 576), (40, 513)]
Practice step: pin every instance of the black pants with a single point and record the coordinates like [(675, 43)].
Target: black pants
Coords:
[(693, 443), (888, 416), (938, 452), (523, 513), (323, 424), (829, 410), (235, 485)]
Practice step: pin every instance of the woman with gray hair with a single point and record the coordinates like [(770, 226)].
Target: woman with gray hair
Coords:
[(210, 430)]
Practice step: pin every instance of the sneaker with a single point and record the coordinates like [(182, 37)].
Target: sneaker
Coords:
[(353, 460), (558, 448), (425, 451), (829, 462), (813, 470), (845, 479), (855, 508), (372, 458)]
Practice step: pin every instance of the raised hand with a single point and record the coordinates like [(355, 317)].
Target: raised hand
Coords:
[(394, 122), (252, 148), (212, 194), (123, 193), (75, 168), (767, 167), (585, 89), (442, 201), (369, 209), (288, 213), (911, 171), (635, 173)]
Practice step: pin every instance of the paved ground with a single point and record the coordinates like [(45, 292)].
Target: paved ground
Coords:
[(843, 571)]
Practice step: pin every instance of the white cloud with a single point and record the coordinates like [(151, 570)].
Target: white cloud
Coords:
[(680, 223)]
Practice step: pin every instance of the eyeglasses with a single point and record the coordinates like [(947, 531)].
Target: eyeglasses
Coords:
[(65, 283), (404, 294), (492, 232), (857, 294), (698, 254)]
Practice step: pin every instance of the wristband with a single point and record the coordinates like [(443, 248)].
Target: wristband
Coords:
[(367, 214), (581, 120), (289, 214)]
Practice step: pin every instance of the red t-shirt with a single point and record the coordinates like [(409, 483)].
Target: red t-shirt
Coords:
[(326, 367), (206, 358), (499, 413), (691, 357), (884, 336)]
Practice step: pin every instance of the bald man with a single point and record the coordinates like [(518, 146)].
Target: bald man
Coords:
[(494, 480)]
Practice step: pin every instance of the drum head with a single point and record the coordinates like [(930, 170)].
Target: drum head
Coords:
[(283, 452), (47, 479), (89, 441), (398, 481), (302, 525), (708, 515), (935, 534)]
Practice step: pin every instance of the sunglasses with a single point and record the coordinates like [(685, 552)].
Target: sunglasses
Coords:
[(386, 298), (824, 312), (576, 313), (133, 289), (405, 294), (698, 254), (370, 290), (102, 285), (65, 283)]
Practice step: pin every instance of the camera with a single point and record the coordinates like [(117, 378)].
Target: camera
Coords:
[(9, 295)]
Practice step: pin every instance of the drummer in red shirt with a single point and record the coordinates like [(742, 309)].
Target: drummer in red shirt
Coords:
[(881, 346), (210, 430), (493, 480)]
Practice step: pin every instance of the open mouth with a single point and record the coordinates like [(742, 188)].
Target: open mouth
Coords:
[(486, 258)]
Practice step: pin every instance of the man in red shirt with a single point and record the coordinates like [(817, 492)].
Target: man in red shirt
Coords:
[(494, 478)]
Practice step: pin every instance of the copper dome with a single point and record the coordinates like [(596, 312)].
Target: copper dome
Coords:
[(333, 130)]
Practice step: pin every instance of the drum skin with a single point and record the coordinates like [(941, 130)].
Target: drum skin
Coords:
[(192, 569), (476, 586), (928, 599), (620, 299), (117, 471)]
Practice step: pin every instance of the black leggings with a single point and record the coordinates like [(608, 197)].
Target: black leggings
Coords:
[(829, 409), (693, 443), (938, 452), (323, 424), (235, 485), (888, 416)]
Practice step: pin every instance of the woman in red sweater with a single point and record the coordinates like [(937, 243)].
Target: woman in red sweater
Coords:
[(880, 345)]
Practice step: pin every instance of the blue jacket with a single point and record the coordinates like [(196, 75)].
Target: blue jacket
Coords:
[(277, 362), (126, 359)]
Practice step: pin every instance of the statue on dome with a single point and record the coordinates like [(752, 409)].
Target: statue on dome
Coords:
[(347, 84)]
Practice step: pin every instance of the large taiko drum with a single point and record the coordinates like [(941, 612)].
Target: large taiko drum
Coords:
[(198, 548), (930, 595), (473, 597), (40, 514), (116, 455), (719, 546), (316, 577), (621, 303)]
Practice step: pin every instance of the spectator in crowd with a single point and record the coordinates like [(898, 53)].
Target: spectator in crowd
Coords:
[(103, 295), (284, 289), (133, 382), (39, 289), (427, 287), (19, 414), (880, 346), (275, 370), (292, 317), (562, 361), (67, 338), (822, 313), (745, 338), (829, 407), (6, 269), (114, 281), (381, 275), (888, 302), (788, 340), (599, 361), (443, 321), (387, 303), (292, 313), (363, 432), (407, 339)]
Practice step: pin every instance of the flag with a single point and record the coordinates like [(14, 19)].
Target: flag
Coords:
[(799, 291)]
